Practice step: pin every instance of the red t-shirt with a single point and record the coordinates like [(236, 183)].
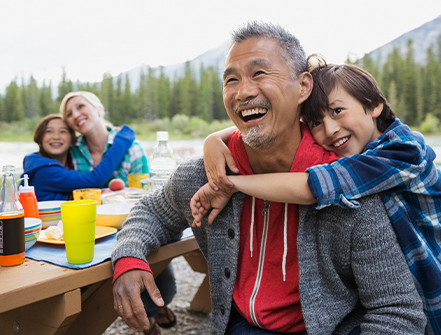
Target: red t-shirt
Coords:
[(260, 293)]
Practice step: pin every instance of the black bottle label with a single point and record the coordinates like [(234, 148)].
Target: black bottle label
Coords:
[(12, 238)]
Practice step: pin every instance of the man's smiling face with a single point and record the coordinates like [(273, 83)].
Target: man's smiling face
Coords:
[(260, 94)]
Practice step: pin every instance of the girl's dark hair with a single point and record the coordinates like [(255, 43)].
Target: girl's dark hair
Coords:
[(40, 130), (356, 81)]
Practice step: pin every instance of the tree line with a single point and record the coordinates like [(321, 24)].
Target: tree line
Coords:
[(413, 90), (157, 96)]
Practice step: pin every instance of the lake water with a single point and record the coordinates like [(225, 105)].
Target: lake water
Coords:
[(14, 152)]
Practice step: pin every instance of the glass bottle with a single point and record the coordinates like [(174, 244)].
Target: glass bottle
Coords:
[(12, 226)]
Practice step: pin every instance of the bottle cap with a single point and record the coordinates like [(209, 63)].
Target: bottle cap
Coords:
[(162, 135), (26, 188)]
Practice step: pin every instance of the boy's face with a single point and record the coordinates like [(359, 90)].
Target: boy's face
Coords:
[(346, 128)]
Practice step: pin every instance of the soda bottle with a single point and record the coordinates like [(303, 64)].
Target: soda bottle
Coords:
[(28, 199), (163, 162), (12, 226)]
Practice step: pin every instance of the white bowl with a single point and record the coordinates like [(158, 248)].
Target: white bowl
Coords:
[(32, 231), (49, 205), (50, 212), (113, 215)]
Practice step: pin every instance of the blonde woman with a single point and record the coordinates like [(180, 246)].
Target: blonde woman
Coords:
[(84, 113)]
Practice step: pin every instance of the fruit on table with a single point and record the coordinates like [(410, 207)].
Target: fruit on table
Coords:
[(116, 184)]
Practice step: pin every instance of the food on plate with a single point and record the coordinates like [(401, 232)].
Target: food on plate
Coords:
[(55, 232), (116, 184)]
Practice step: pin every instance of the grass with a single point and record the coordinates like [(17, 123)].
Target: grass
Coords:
[(179, 128)]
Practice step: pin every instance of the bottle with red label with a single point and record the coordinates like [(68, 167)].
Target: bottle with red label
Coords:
[(28, 199), (12, 226)]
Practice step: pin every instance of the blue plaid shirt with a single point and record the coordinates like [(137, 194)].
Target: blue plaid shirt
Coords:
[(134, 161), (400, 165)]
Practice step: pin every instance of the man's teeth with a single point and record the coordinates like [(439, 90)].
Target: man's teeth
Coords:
[(343, 140), (253, 111)]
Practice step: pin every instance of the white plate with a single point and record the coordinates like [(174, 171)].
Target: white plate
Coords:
[(100, 232)]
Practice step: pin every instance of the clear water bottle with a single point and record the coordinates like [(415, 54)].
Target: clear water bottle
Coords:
[(162, 163)]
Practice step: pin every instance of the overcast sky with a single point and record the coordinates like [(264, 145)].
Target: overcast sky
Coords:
[(90, 37)]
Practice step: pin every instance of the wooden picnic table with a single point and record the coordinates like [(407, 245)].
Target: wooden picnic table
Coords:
[(40, 298)]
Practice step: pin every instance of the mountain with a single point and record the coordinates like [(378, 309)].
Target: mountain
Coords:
[(214, 57), (422, 38)]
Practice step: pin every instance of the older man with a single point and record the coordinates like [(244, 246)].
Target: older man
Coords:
[(274, 268)]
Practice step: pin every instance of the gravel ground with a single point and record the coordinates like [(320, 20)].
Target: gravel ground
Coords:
[(188, 322)]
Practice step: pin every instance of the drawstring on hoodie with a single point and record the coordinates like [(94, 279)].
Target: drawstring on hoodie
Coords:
[(285, 235), (252, 226), (285, 242)]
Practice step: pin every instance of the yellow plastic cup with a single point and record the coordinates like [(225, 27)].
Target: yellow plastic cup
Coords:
[(79, 220), (135, 179), (88, 194), (145, 183)]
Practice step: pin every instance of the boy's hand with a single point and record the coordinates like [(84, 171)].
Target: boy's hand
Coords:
[(216, 155), (206, 199)]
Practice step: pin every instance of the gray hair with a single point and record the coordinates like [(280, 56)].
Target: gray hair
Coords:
[(294, 55)]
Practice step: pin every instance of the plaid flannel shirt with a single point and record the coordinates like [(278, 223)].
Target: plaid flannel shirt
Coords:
[(134, 161), (400, 165)]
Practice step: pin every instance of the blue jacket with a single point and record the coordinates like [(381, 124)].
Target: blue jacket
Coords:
[(53, 181)]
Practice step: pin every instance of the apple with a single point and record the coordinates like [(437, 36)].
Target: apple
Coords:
[(116, 184)]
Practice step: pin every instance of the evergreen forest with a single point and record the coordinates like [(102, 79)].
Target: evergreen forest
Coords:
[(191, 105)]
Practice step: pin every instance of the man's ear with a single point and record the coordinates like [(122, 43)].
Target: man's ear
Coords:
[(376, 112), (306, 84)]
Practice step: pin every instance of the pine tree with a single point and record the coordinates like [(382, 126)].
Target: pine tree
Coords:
[(410, 85), (174, 97), (163, 95), (32, 102), (14, 106), (370, 66), (141, 92), (118, 116), (47, 105), (393, 70), (219, 112), (2, 110), (430, 90), (439, 49), (127, 107), (152, 94), (65, 86), (187, 92), (205, 95), (108, 97), (393, 98)]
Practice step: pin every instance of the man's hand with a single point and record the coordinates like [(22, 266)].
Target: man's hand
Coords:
[(127, 297), (206, 199)]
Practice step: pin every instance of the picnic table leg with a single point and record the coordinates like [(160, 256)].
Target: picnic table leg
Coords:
[(202, 300), (52, 316), (97, 312)]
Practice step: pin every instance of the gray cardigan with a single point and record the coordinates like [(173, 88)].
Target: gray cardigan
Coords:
[(352, 271)]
